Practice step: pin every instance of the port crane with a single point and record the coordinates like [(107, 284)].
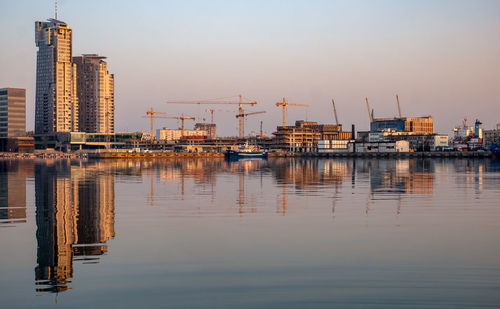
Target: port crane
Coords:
[(284, 104), (399, 107), (335, 113), (370, 112), (240, 103)]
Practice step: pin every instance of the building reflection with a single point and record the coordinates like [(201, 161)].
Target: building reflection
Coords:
[(391, 178), (13, 190), (74, 218)]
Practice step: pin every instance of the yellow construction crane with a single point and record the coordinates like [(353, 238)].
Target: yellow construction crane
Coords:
[(152, 114), (284, 104), (216, 101), (242, 115)]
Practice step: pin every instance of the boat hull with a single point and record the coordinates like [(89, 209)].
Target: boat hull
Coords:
[(233, 154), (495, 150)]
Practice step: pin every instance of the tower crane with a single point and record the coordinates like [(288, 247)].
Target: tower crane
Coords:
[(152, 114), (215, 101), (284, 104), (181, 118), (155, 115), (335, 112), (212, 111), (242, 116)]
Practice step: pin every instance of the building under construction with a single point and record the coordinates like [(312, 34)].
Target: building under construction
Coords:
[(304, 136), (416, 125)]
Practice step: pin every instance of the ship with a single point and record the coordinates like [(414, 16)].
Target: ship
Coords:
[(246, 151)]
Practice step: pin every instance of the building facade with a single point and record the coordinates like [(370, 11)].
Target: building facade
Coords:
[(56, 103), (209, 127), (167, 134), (96, 94), (417, 125), (12, 112)]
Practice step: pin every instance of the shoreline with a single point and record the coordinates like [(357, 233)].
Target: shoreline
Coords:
[(113, 155)]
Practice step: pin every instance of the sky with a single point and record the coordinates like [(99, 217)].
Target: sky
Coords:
[(441, 57)]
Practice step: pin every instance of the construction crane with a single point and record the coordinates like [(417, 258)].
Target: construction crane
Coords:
[(215, 101), (212, 111), (152, 114), (399, 107), (370, 113), (284, 104), (242, 115), (335, 113), (181, 118)]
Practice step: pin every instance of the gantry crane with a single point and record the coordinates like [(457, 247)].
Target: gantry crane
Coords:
[(212, 111), (242, 115), (215, 101), (335, 113), (284, 104)]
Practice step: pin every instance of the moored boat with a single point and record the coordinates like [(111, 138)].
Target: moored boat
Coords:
[(246, 151)]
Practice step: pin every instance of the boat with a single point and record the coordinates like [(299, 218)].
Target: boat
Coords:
[(246, 151), (495, 150)]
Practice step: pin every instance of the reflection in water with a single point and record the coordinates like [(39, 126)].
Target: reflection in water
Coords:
[(13, 190), (74, 217), (75, 201)]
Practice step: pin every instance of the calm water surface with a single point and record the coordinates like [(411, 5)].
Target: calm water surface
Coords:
[(284, 233)]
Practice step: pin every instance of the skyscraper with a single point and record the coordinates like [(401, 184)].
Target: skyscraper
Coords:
[(12, 112), (96, 94), (56, 103)]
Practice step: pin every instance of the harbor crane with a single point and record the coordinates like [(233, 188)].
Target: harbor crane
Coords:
[(243, 115), (399, 107), (216, 101), (284, 104), (335, 113), (370, 112)]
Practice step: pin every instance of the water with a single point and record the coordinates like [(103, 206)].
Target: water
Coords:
[(284, 233)]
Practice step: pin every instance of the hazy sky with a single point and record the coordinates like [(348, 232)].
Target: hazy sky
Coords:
[(441, 57)]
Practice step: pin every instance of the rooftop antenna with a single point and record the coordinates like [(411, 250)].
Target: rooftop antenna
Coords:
[(55, 8)]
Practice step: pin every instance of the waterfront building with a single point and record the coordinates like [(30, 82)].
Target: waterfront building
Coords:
[(96, 94), (417, 125), (492, 136), (12, 112), (304, 136), (167, 134), (56, 103)]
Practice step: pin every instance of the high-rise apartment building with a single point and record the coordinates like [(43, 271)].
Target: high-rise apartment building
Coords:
[(12, 112), (96, 94), (56, 103)]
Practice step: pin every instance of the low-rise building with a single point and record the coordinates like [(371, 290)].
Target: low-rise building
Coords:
[(167, 134)]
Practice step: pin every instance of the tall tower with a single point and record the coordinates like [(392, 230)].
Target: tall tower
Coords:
[(56, 103), (96, 94)]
